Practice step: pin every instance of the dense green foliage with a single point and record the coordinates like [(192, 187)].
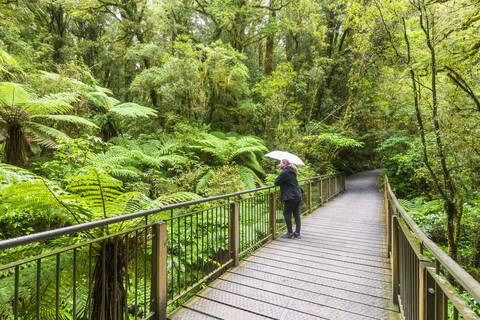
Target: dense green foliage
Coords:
[(156, 102)]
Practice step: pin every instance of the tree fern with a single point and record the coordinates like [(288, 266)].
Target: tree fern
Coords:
[(230, 148), (22, 114)]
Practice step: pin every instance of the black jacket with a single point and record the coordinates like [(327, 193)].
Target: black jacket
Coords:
[(289, 188)]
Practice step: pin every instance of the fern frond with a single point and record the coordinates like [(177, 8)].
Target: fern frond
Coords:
[(173, 198), (40, 196), (130, 173), (99, 190), (203, 182), (133, 110), (168, 146), (10, 174), (250, 160), (58, 78), (12, 94), (67, 118), (58, 103), (248, 177), (101, 99), (5, 61), (44, 135), (126, 143)]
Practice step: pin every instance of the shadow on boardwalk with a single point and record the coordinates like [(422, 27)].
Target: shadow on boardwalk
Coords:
[(338, 270)]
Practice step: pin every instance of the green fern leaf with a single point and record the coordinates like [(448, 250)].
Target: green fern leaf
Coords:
[(133, 110), (67, 118), (12, 94), (203, 182)]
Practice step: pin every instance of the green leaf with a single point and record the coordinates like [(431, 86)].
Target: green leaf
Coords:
[(67, 118), (12, 94), (133, 110)]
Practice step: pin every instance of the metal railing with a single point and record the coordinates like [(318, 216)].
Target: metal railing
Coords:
[(145, 264), (421, 271)]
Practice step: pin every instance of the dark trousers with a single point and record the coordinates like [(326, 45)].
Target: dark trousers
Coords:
[(292, 207)]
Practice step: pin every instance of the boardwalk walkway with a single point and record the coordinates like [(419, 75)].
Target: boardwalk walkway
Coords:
[(338, 270)]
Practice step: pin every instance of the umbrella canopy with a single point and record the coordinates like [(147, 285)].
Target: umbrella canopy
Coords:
[(280, 155)]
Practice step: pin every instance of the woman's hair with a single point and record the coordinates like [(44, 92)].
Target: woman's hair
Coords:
[(289, 164)]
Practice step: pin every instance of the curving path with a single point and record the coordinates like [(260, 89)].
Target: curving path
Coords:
[(338, 270)]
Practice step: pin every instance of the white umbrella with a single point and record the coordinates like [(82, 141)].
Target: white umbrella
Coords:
[(280, 155)]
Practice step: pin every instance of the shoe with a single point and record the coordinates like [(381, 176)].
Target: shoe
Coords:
[(296, 235), (287, 235)]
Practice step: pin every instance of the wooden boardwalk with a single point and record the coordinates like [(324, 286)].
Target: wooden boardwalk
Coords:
[(338, 270)]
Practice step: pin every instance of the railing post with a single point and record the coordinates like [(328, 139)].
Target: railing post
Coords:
[(309, 197), (425, 296), (387, 217), (159, 271), (328, 189), (429, 292), (273, 215), (422, 291), (439, 303), (233, 233), (335, 185), (394, 260), (321, 191)]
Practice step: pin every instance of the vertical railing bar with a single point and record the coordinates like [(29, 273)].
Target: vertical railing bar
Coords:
[(89, 299), (216, 232), (39, 266), (74, 284), (265, 214), (104, 280), (57, 286), (172, 265), (179, 253), (186, 249), (15, 301), (415, 286), (256, 217), (406, 257), (127, 278), (145, 254), (203, 248), (115, 278), (196, 243), (136, 274), (208, 239), (249, 221), (445, 307), (395, 278), (250, 226), (191, 249), (412, 293)]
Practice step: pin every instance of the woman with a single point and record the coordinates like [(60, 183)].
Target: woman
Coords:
[(291, 195)]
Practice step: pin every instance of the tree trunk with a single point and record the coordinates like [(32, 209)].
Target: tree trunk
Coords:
[(15, 146), (451, 211), (109, 293), (270, 43), (260, 54)]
